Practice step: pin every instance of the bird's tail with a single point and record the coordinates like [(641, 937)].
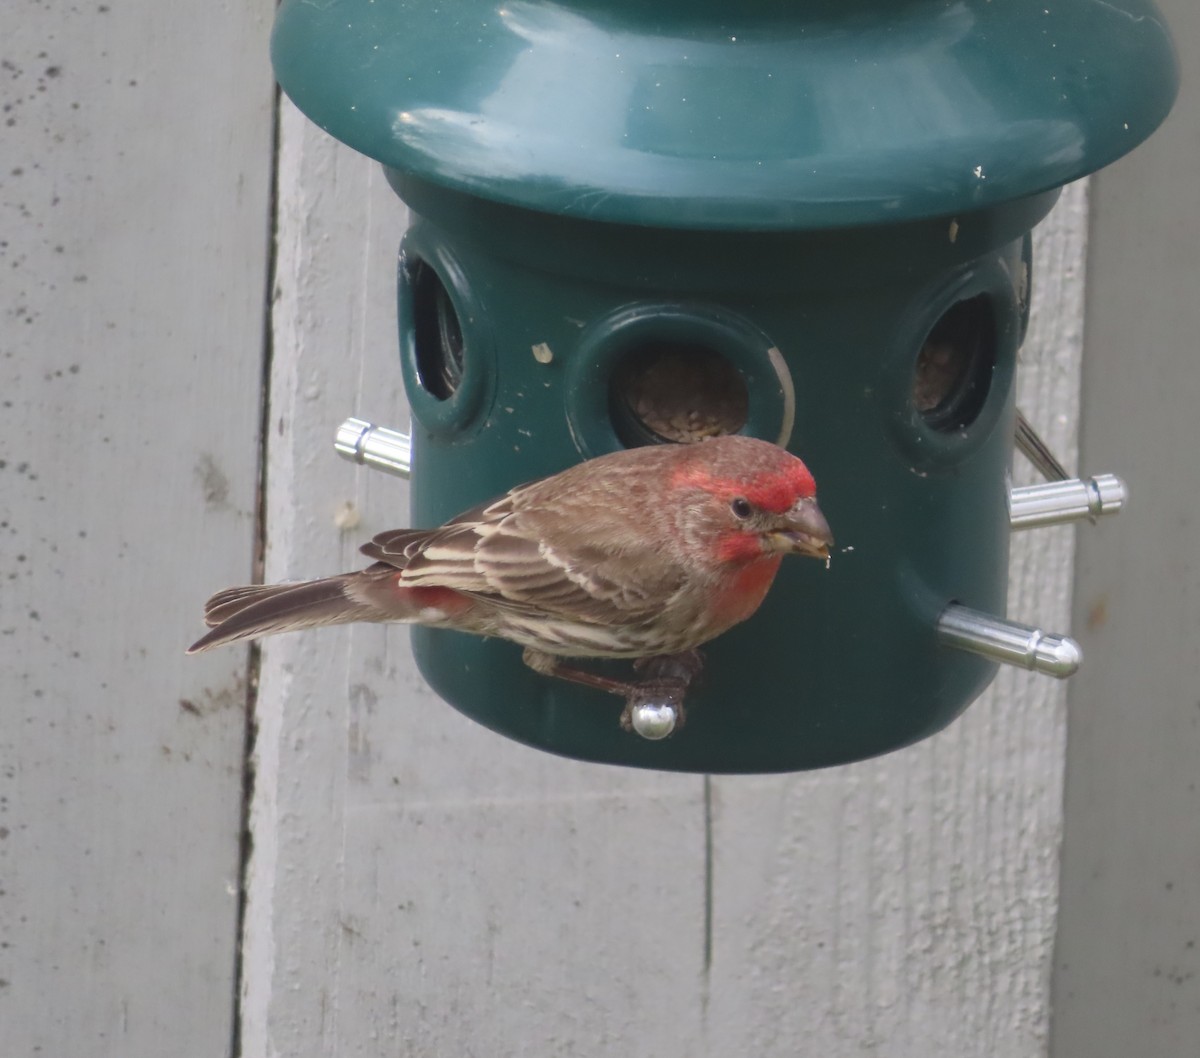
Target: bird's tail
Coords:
[(265, 609)]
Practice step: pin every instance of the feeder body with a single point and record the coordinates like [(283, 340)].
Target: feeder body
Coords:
[(826, 205), (840, 663)]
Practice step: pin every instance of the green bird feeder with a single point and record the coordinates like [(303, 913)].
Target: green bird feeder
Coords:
[(808, 222)]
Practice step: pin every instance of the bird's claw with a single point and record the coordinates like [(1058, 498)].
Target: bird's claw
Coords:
[(655, 709), (685, 666), (654, 705)]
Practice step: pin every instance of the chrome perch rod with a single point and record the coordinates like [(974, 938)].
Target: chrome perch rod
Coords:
[(375, 446), (1060, 502), (1008, 642)]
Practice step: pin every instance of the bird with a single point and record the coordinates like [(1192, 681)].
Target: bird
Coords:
[(643, 553)]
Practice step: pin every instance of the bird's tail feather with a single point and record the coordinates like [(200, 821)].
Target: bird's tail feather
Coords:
[(265, 609)]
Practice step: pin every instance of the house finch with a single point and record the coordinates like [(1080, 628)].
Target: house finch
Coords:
[(646, 552)]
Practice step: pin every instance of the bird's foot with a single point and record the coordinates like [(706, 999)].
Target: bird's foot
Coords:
[(549, 665), (654, 703), (654, 708)]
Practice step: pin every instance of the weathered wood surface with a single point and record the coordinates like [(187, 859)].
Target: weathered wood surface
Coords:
[(906, 905), (421, 886), (1127, 968), (135, 152)]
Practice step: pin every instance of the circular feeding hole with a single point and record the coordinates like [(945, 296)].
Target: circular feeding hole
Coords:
[(954, 368), (437, 335), (678, 392)]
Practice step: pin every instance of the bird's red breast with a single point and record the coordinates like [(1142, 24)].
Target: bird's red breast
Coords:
[(743, 591)]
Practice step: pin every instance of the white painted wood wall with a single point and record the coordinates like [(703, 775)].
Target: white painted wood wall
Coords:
[(416, 885), (135, 168), (420, 886)]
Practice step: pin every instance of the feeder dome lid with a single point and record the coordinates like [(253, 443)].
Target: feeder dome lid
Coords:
[(750, 114)]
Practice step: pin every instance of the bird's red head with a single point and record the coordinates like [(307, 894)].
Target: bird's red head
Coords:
[(756, 500)]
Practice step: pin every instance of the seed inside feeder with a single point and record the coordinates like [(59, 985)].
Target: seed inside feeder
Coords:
[(953, 371), (677, 392)]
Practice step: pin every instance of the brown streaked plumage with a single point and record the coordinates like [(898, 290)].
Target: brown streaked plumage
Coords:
[(640, 553)]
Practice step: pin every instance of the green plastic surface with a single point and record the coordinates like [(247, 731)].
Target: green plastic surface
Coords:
[(827, 179), (755, 114), (840, 663)]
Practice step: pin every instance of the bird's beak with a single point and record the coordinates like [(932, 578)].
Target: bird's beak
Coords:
[(806, 532)]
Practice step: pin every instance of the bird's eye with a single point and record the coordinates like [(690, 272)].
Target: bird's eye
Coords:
[(741, 508)]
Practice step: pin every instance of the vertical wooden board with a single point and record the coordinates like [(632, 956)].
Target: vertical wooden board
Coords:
[(419, 885), (134, 198), (523, 924), (906, 905), (1127, 966)]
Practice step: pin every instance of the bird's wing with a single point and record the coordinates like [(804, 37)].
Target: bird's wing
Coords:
[(397, 546), (524, 556)]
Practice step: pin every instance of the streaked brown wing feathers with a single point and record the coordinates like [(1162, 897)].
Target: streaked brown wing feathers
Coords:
[(516, 562), (530, 558), (396, 546)]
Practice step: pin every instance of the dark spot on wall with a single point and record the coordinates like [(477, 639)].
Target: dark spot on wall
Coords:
[(210, 701), (213, 483)]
